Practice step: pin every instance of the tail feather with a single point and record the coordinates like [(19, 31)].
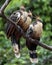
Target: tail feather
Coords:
[(16, 50), (17, 55), (35, 60), (33, 57)]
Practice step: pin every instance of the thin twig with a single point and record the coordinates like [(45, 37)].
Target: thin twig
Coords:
[(4, 5)]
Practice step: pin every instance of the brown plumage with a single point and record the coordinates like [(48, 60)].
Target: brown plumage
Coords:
[(37, 29), (25, 20)]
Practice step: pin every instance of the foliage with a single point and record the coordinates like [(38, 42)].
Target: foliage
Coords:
[(38, 7)]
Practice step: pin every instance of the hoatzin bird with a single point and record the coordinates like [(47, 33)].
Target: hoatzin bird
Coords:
[(23, 19), (34, 31)]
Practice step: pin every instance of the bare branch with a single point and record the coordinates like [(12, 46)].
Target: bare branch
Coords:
[(4, 5), (27, 37), (41, 44), (22, 32), (37, 42)]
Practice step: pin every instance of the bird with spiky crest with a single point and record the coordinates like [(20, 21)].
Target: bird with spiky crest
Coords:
[(23, 19)]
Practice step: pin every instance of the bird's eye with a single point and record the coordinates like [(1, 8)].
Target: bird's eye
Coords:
[(14, 13)]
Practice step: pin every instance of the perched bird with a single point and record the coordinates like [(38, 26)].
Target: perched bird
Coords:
[(12, 33), (23, 19), (34, 31)]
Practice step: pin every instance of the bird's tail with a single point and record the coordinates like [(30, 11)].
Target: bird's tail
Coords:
[(33, 57), (16, 50)]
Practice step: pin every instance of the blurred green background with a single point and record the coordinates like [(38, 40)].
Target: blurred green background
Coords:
[(39, 7)]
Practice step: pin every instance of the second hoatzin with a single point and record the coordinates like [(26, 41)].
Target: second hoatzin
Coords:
[(34, 31), (23, 19)]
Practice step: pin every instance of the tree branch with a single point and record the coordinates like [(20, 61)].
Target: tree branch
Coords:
[(22, 32), (4, 5), (37, 42)]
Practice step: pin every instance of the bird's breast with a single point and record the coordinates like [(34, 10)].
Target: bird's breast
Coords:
[(37, 30)]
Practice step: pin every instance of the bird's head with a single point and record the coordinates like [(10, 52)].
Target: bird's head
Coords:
[(30, 13), (15, 15), (38, 18), (22, 8)]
